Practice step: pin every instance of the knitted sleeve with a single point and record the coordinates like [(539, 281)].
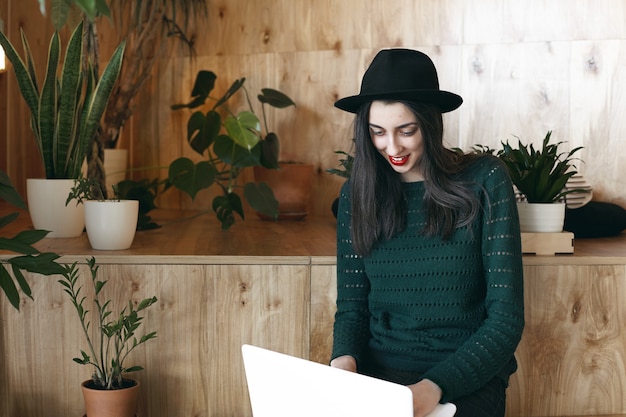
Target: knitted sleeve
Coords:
[(490, 350), (351, 327)]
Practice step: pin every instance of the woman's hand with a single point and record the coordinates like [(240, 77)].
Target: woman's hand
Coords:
[(426, 396), (346, 362)]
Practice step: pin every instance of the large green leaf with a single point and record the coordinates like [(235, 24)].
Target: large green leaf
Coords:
[(66, 138), (244, 129), (231, 153), (261, 198), (190, 177), (202, 130), (95, 104)]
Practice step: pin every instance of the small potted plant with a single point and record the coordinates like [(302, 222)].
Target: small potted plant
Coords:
[(65, 113), (110, 223), (230, 144), (109, 392), (540, 176)]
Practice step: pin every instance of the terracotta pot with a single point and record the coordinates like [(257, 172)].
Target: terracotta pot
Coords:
[(110, 403), (292, 184), (111, 224), (46, 206)]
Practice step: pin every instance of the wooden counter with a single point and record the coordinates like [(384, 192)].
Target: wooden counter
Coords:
[(273, 284)]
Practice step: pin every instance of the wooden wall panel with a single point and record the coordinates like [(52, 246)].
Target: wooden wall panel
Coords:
[(323, 307), (573, 350), (522, 69), (193, 367)]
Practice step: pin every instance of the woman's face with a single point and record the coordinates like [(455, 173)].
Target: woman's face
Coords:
[(396, 134)]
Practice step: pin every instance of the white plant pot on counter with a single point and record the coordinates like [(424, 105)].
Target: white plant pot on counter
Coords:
[(111, 224), (46, 206), (541, 217)]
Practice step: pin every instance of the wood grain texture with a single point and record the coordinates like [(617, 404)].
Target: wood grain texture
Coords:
[(274, 284), (194, 367), (522, 69), (572, 355)]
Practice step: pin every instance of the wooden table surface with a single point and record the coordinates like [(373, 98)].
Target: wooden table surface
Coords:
[(182, 239)]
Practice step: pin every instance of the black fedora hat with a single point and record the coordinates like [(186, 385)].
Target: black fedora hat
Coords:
[(401, 74)]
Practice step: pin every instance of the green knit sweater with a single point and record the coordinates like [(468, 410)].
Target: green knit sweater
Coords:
[(449, 310)]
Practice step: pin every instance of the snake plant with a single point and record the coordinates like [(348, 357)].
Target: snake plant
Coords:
[(66, 109)]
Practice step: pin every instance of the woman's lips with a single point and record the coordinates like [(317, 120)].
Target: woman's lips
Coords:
[(398, 160)]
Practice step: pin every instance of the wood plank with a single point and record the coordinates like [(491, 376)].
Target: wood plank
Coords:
[(547, 243)]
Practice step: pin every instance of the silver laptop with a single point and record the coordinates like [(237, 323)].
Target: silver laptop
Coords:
[(285, 386)]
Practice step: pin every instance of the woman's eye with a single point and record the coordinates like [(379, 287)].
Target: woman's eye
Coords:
[(377, 132), (408, 132)]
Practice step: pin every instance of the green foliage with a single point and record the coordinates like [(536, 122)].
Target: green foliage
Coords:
[(60, 9), (345, 165), (66, 109), (30, 259), (230, 144), (541, 174), (115, 337)]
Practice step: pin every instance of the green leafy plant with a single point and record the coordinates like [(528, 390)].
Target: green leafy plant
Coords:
[(67, 108), (88, 189), (29, 259), (345, 165), (230, 144), (539, 174), (115, 335)]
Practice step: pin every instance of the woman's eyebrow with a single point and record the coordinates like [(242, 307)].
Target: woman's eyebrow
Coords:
[(397, 127)]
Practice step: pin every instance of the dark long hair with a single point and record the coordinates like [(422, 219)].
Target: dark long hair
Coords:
[(377, 199)]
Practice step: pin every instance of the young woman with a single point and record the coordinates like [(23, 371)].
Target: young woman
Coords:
[(429, 264)]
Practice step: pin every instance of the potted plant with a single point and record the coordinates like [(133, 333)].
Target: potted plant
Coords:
[(65, 114), (344, 171), (540, 176), (230, 143), (110, 222), (28, 258), (146, 27), (109, 393)]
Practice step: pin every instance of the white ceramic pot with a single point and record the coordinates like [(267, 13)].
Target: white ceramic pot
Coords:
[(111, 224), (46, 206), (541, 217)]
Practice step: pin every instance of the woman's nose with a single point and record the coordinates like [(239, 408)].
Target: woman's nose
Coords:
[(393, 146)]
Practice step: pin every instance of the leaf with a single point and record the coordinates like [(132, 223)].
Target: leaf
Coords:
[(270, 151), (261, 198), (233, 154), (189, 177), (202, 87), (43, 263), (48, 102), (5, 220), (202, 130), (19, 277), (9, 288), (243, 129), (275, 98), (65, 139), (224, 206), (234, 87), (8, 192)]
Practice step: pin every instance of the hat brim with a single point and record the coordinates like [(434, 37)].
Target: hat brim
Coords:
[(445, 100)]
